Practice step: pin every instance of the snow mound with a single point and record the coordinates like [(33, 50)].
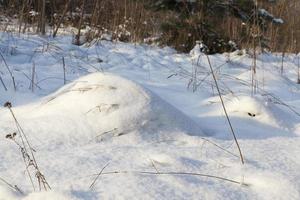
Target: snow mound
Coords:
[(7, 194), (254, 107), (48, 196), (98, 106), (262, 111)]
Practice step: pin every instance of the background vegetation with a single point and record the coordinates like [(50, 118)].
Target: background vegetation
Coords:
[(223, 25)]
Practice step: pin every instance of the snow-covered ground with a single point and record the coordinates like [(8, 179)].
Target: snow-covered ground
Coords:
[(147, 113)]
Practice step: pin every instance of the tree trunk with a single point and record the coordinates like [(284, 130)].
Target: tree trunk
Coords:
[(42, 18)]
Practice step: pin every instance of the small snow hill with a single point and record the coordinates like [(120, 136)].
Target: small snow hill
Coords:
[(97, 107)]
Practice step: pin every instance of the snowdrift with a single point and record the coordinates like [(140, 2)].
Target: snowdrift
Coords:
[(8, 194), (96, 107)]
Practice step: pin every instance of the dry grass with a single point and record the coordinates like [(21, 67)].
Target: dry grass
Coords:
[(134, 21), (28, 154)]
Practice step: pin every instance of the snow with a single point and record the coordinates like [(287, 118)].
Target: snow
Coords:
[(278, 20), (6, 193), (266, 14), (132, 107)]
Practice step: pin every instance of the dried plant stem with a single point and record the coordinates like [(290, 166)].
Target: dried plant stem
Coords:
[(282, 62), (23, 148), (64, 68), (98, 175), (298, 74), (176, 174), (225, 111), (218, 146), (14, 187), (153, 165), (10, 72), (3, 84), (253, 69), (255, 35), (26, 165), (29, 158), (32, 77)]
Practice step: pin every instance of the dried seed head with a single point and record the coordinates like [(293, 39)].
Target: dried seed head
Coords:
[(251, 114), (8, 136), (11, 136), (8, 104)]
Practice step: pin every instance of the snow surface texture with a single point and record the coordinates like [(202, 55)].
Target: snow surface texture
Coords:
[(143, 108)]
